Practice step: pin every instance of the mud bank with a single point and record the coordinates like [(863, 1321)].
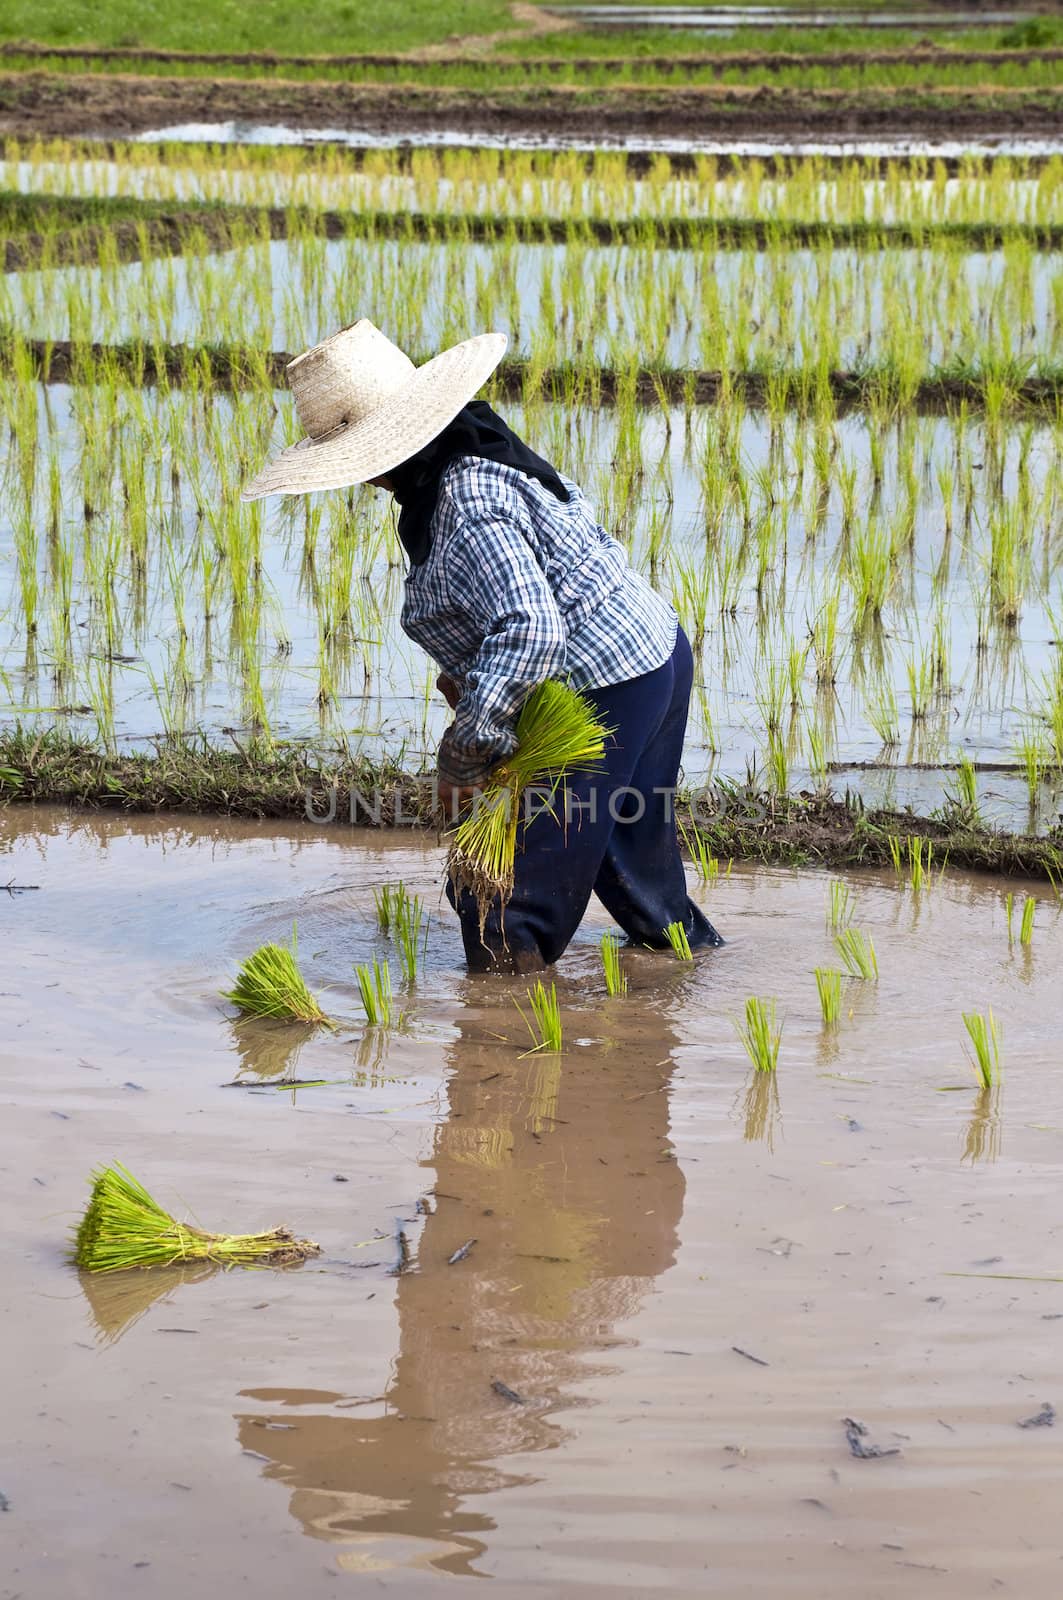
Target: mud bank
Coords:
[(197, 779), (40, 103), (636, 1380)]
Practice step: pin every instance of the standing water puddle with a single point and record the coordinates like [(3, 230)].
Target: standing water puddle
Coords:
[(634, 1381)]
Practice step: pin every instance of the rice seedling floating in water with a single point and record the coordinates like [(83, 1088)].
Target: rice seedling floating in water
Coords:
[(374, 984), (558, 732), (829, 986), (676, 935), (269, 984), (1029, 908), (615, 976), (841, 903), (985, 1046), (858, 954), (124, 1226), (760, 1035), (544, 1024)]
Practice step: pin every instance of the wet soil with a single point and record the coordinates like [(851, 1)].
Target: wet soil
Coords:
[(687, 1296), (40, 103)]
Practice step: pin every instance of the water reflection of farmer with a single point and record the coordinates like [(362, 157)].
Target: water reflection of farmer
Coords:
[(512, 582), (565, 1177)]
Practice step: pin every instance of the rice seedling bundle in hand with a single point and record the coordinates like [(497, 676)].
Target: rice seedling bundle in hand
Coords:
[(558, 732), (760, 1035), (269, 984), (124, 1226), (615, 976)]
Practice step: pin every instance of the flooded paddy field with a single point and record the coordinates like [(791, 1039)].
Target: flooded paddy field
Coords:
[(636, 1379), (863, 590)]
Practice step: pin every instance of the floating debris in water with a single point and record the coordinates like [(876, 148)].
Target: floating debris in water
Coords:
[(1045, 1418), (856, 1436)]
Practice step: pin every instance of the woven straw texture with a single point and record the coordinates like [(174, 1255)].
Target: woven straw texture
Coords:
[(365, 407)]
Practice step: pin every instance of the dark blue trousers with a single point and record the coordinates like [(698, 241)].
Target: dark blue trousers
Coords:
[(611, 833)]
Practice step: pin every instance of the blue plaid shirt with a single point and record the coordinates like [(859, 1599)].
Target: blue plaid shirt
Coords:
[(519, 587)]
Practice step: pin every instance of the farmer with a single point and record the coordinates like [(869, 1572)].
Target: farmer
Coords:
[(511, 582)]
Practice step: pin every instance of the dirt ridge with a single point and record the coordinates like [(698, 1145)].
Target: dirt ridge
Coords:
[(43, 103), (768, 60)]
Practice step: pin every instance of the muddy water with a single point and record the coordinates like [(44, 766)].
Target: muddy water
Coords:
[(638, 1212)]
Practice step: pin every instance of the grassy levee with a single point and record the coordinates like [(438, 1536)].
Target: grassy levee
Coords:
[(335, 788)]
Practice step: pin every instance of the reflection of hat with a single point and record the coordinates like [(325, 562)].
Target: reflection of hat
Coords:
[(366, 408)]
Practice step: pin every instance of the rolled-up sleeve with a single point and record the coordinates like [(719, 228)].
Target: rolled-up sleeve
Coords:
[(493, 574)]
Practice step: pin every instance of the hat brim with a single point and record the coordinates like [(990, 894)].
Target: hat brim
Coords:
[(403, 424)]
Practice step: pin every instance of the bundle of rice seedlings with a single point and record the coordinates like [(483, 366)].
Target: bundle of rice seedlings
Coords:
[(544, 1025), (558, 732), (760, 1035), (1029, 907), (269, 984), (124, 1227), (410, 922), (615, 976), (676, 934), (858, 953), (374, 983)]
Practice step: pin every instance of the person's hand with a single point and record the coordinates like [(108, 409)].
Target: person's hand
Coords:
[(453, 796), (449, 689)]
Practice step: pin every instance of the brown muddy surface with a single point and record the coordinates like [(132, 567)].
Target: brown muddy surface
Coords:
[(638, 1214), (115, 104)]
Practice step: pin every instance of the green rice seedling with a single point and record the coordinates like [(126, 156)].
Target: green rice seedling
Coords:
[(269, 984), (985, 1046), (676, 934), (760, 1035), (841, 903), (410, 929), (615, 976), (389, 901), (1029, 909), (123, 1227), (558, 732), (544, 1024), (1009, 909), (858, 954), (883, 716), (913, 858), (374, 985), (829, 987)]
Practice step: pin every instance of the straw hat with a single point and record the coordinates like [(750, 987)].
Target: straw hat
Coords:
[(365, 407)]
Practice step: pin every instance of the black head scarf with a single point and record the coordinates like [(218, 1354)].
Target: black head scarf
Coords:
[(475, 431)]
